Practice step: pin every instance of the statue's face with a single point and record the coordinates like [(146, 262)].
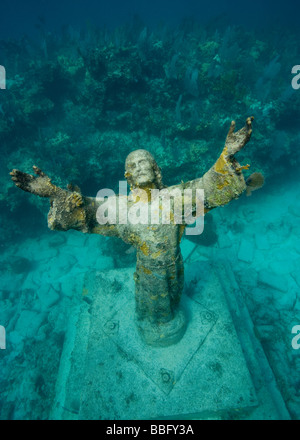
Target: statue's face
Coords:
[(139, 167)]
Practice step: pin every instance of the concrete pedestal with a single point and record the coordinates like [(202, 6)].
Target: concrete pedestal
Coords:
[(107, 371)]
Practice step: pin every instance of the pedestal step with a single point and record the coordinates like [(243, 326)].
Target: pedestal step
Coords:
[(271, 402)]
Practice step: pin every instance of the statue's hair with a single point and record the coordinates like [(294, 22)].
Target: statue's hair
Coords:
[(157, 171)]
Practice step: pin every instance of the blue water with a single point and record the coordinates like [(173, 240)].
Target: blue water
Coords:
[(88, 82)]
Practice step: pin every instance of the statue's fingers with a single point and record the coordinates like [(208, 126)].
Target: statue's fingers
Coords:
[(248, 129), (19, 176), (232, 128), (14, 173), (249, 120), (21, 180), (38, 171), (249, 125)]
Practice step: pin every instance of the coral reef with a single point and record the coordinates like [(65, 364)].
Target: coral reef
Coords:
[(163, 90)]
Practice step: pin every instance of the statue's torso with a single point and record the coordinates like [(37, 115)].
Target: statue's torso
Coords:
[(156, 244)]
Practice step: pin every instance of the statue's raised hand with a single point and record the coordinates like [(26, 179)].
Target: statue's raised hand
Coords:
[(39, 185), (235, 141)]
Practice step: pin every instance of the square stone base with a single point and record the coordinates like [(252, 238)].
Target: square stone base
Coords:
[(107, 372)]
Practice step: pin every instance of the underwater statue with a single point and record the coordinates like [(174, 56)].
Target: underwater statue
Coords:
[(159, 270)]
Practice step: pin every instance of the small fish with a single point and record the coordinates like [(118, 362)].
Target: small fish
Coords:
[(254, 182)]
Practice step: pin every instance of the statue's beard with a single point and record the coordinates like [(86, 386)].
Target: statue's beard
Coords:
[(149, 184)]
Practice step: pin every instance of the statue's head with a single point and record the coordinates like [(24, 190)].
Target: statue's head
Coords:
[(141, 170)]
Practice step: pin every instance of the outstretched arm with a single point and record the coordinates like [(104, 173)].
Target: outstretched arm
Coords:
[(69, 209), (225, 180)]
